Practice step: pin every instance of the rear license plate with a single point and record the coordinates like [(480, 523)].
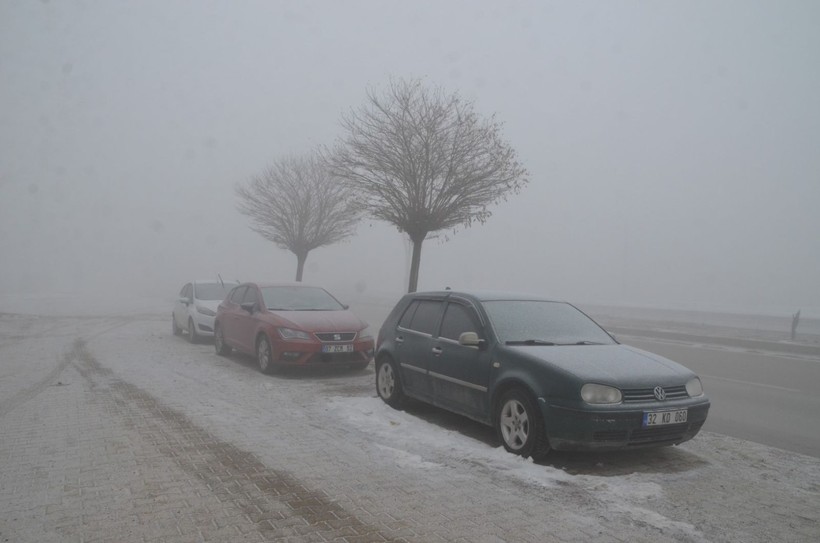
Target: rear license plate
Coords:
[(661, 418), (348, 348)]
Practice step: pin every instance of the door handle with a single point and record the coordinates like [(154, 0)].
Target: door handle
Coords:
[(436, 351), (399, 339)]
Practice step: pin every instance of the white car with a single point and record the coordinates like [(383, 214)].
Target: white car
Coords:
[(195, 309)]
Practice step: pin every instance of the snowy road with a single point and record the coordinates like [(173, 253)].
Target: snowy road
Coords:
[(766, 397), (114, 430)]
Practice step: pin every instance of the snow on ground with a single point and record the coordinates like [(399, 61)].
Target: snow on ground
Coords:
[(625, 494), (331, 432)]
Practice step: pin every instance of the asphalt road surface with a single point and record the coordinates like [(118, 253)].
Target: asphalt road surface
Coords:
[(769, 398)]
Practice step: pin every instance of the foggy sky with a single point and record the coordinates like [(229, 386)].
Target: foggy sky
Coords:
[(672, 146)]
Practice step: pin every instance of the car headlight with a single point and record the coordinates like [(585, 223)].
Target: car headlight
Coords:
[(594, 393), (290, 333), (694, 388), (205, 311)]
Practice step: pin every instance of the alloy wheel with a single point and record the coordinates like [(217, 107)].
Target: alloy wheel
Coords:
[(514, 424), (387, 381), (263, 354)]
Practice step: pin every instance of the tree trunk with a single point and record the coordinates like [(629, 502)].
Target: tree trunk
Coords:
[(300, 265), (414, 263)]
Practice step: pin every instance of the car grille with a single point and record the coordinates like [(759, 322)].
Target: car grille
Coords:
[(336, 336), (648, 394)]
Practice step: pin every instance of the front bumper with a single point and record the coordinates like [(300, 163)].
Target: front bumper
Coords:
[(204, 324), (571, 428), (309, 353)]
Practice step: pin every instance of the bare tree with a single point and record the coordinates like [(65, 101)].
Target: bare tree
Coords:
[(300, 206), (424, 161)]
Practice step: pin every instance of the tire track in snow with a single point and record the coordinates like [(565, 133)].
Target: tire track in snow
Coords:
[(275, 502), (28, 393)]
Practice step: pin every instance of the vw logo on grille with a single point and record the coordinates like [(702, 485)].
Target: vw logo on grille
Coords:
[(337, 337), (660, 393)]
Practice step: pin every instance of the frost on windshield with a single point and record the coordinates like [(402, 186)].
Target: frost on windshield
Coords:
[(545, 322)]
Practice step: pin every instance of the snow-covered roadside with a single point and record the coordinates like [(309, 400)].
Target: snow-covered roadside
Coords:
[(331, 432)]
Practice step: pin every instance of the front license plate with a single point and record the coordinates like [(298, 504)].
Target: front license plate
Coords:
[(661, 418), (348, 348)]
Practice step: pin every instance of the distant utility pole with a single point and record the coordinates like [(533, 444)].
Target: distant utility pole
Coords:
[(795, 321)]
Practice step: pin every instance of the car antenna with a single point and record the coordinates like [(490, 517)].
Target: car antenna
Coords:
[(221, 282)]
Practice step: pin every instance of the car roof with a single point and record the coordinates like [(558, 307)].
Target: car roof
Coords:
[(263, 284), (488, 295)]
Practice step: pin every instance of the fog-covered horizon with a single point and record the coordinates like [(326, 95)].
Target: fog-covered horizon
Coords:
[(672, 147)]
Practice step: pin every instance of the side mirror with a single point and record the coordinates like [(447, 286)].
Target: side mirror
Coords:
[(471, 339), (184, 300), (249, 307)]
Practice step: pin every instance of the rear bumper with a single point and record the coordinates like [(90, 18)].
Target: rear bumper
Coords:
[(613, 429)]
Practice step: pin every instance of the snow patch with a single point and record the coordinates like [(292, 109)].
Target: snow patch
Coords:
[(628, 495), (405, 459)]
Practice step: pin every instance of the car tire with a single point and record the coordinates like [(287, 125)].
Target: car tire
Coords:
[(388, 383), (264, 355), (192, 335), (176, 330), (222, 348), (520, 426)]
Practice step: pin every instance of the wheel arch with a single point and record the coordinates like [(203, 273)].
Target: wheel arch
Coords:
[(262, 333), (542, 444), (510, 382)]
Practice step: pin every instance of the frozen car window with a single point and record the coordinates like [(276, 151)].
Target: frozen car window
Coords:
[(236, 295), (212, 291), (553, 322), (426, 316), (407, 318), (457, 320), (251, 296), (288, 298)]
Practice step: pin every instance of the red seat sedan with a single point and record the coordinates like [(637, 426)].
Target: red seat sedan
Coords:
[(291, 324)]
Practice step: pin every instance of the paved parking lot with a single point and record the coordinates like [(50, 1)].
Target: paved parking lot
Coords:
[(114, 430)]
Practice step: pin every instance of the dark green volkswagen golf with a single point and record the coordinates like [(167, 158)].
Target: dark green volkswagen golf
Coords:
[(540, 371)]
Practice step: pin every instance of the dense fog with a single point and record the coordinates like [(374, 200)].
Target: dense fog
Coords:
[(672, 146)]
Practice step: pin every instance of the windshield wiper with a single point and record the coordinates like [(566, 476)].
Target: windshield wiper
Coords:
[(529, 342), (585, 343)]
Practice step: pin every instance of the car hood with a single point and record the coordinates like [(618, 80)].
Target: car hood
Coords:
[(617, 365), (319, 321), (209, 304)]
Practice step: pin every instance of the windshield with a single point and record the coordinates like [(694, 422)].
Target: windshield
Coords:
[(294, 298), (539, 322), (212, 291)]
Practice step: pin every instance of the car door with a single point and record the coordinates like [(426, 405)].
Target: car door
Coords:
[(245, 322), (227, 319), (460, 374), (181, 308), (414, 343)]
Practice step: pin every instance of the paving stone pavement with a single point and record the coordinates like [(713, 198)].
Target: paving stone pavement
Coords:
[(113, 430)]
